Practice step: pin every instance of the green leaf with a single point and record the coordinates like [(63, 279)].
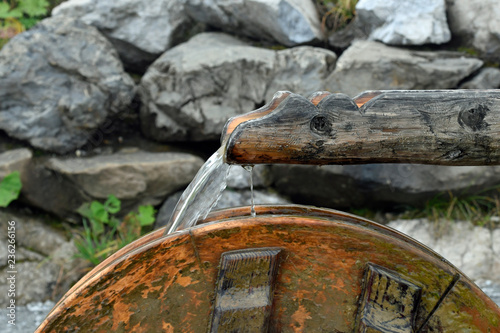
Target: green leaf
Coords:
[(84, 210), (5, 11), (97, 227), (33, 8), (99, 212), (10, 187), (114, 222), (28, 22), (112, 204), (146, 215)]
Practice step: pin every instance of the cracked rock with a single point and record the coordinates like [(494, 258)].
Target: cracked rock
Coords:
[(14, 160), (379, 186), (45, 263), (410, 22), (58, 83), (140, 30), (368, 65), (470, 248), (62, 185), (495, 240), (192, 89), (475, 24), (487, 78), (289, 22)]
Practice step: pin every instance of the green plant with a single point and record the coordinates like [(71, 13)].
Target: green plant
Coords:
[(477, 208), (469, 51), (336, 14), (104, 233), (10, 187), (18, 15)]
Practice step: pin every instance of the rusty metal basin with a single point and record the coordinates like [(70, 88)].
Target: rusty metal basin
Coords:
[(289, 269)]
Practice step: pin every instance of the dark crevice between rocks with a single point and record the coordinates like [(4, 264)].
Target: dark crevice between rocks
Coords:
[(9, 143), (469, 77)]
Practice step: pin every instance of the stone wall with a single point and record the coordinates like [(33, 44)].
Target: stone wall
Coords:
[(129, 97)]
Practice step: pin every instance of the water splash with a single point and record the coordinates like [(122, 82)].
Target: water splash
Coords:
[(249, 168), (201, 195)]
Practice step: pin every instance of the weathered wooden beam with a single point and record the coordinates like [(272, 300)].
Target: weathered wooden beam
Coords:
[(446, 127)]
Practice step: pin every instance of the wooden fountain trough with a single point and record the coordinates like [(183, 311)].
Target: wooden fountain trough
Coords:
[(300, 268)]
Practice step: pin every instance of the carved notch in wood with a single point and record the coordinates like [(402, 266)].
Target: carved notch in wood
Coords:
[(245, 290), (389, 302)]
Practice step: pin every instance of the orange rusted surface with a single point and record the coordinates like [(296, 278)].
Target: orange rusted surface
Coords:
[(168, 283), (365, 97), (138, 243), (316, 97)]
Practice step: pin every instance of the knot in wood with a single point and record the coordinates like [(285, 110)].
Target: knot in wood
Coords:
[(473, 118), (321, 125)]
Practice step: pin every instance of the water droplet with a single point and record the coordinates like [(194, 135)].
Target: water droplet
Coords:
[(249, 168)]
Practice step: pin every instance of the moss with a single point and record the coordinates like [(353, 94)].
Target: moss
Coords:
[(224, 234)]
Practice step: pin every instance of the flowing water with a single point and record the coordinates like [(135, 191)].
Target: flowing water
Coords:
[(201, 195), (249, 168)]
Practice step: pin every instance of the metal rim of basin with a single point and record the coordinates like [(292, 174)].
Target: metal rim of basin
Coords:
[(328, 264)]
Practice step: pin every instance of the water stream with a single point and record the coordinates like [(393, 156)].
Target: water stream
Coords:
[(249, 168), (201, 195), (204, 192)]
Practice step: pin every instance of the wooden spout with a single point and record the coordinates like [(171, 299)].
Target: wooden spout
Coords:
[(446, 127), (233, 122)]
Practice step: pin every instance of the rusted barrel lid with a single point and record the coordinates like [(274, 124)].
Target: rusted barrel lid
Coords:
[(289, 269)]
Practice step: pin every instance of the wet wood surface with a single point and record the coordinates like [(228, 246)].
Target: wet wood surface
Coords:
[(170, 283), (444, 127), (245, 290)]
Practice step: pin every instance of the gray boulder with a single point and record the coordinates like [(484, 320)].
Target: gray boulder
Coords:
[(496, 255), (140, 30), (289, 22), (14, 160), (37, 279), (343, 38), (239, 178), (411, 22), (231, 198), (58, 83), (475, 24), (487, 78), (385, 186), (33, 315), (470, 248), (192, 89), (61, 185), (490, 288), (368, 65)]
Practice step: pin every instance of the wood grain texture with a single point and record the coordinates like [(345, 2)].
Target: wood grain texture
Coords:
[(445, 127), (168, 283)]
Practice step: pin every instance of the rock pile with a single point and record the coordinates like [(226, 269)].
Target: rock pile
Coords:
[(58, 83), (127, 97)]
